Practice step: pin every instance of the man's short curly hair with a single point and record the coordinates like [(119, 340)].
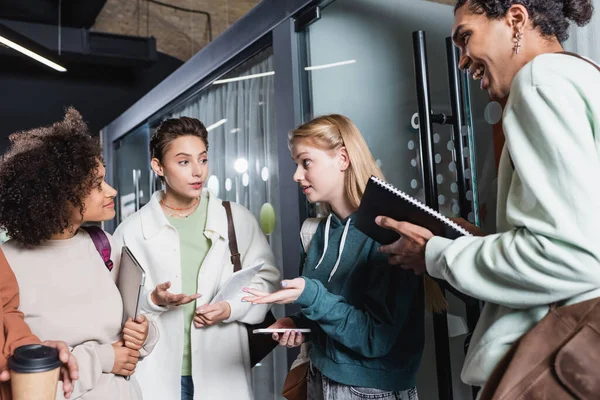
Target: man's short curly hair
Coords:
[(551, 17), (47, 173)]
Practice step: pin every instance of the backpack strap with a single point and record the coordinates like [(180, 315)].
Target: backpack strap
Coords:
[(233, 247), (309, 228), (101, 243)]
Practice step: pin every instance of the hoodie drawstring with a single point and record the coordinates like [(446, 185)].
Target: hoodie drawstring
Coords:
[(335, 267), (342, 243), (327, 225)]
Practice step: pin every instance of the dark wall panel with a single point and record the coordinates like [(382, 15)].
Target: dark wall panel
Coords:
[(33, 95)]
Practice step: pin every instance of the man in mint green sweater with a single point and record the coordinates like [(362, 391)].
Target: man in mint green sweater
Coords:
[(547, 248)]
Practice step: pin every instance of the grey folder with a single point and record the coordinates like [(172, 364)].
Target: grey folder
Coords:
[(130, 283)]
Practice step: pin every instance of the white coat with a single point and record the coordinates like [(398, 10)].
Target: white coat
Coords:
[(220, 353)]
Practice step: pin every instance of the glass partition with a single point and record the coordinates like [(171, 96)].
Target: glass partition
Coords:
[(132, 164)]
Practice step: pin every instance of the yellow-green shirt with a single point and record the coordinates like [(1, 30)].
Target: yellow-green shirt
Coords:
[(194, 246)]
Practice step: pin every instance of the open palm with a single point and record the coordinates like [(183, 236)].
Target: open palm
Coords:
[(292, 289)]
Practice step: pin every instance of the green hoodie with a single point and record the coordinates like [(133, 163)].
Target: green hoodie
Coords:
[(366, 316)]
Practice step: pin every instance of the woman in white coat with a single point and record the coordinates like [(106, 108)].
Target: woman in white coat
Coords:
[(181, 239)]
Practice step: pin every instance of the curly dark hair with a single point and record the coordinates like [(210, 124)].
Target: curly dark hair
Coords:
[(171, 129), (551, 17), (46, 172)]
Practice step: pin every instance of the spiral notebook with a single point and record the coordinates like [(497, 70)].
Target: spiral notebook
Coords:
[(381, 198)]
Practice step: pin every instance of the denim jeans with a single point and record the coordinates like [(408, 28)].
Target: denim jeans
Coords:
[(187, 388), (322, 388)]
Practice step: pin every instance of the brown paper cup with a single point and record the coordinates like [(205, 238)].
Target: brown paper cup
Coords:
[(34, 386), (34, 372)]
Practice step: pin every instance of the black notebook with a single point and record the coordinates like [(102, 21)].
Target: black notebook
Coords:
[(381, 198)]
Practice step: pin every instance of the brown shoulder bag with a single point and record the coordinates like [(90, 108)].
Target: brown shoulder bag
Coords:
[(260, 345), (557, 359)]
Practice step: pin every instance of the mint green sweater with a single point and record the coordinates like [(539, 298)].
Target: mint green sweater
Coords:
[(194, 247), (547, 248), (366, 316)]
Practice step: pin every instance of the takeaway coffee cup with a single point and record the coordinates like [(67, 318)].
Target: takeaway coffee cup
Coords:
[(34, 372)]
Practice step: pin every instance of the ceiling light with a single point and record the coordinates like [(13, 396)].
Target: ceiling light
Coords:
[(241, 165), (337, 64), (242, 78), (215, 125), (9, 38)]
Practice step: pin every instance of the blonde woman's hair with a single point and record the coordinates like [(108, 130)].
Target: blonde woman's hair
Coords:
[(331, 133)]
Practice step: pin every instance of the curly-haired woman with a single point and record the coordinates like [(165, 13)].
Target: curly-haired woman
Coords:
[(547, 249), (51, 182)]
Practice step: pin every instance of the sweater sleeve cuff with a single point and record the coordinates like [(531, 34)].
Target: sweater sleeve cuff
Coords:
[(152, 339), (238, 310), (148, 306), (309, 294), (434, 257), (106, 354)]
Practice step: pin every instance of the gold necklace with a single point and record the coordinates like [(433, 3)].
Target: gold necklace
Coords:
[(179, 209), (179, 215)]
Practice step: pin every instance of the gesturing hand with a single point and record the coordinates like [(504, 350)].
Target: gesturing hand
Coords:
[(409, 251), (162, 297), (292, 289), (211, 314), (135, 332), (125, 359)]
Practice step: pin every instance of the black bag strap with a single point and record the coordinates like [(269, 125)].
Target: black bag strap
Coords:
[(233, 247)]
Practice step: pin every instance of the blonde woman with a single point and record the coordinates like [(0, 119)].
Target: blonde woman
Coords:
[(365, 316)]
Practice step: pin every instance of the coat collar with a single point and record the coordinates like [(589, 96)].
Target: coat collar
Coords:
[(154, 220)]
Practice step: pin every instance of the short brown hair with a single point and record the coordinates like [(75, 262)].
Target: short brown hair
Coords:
[(171, 129)]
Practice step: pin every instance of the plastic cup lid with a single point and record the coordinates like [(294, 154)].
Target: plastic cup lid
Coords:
[(33, 358)]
